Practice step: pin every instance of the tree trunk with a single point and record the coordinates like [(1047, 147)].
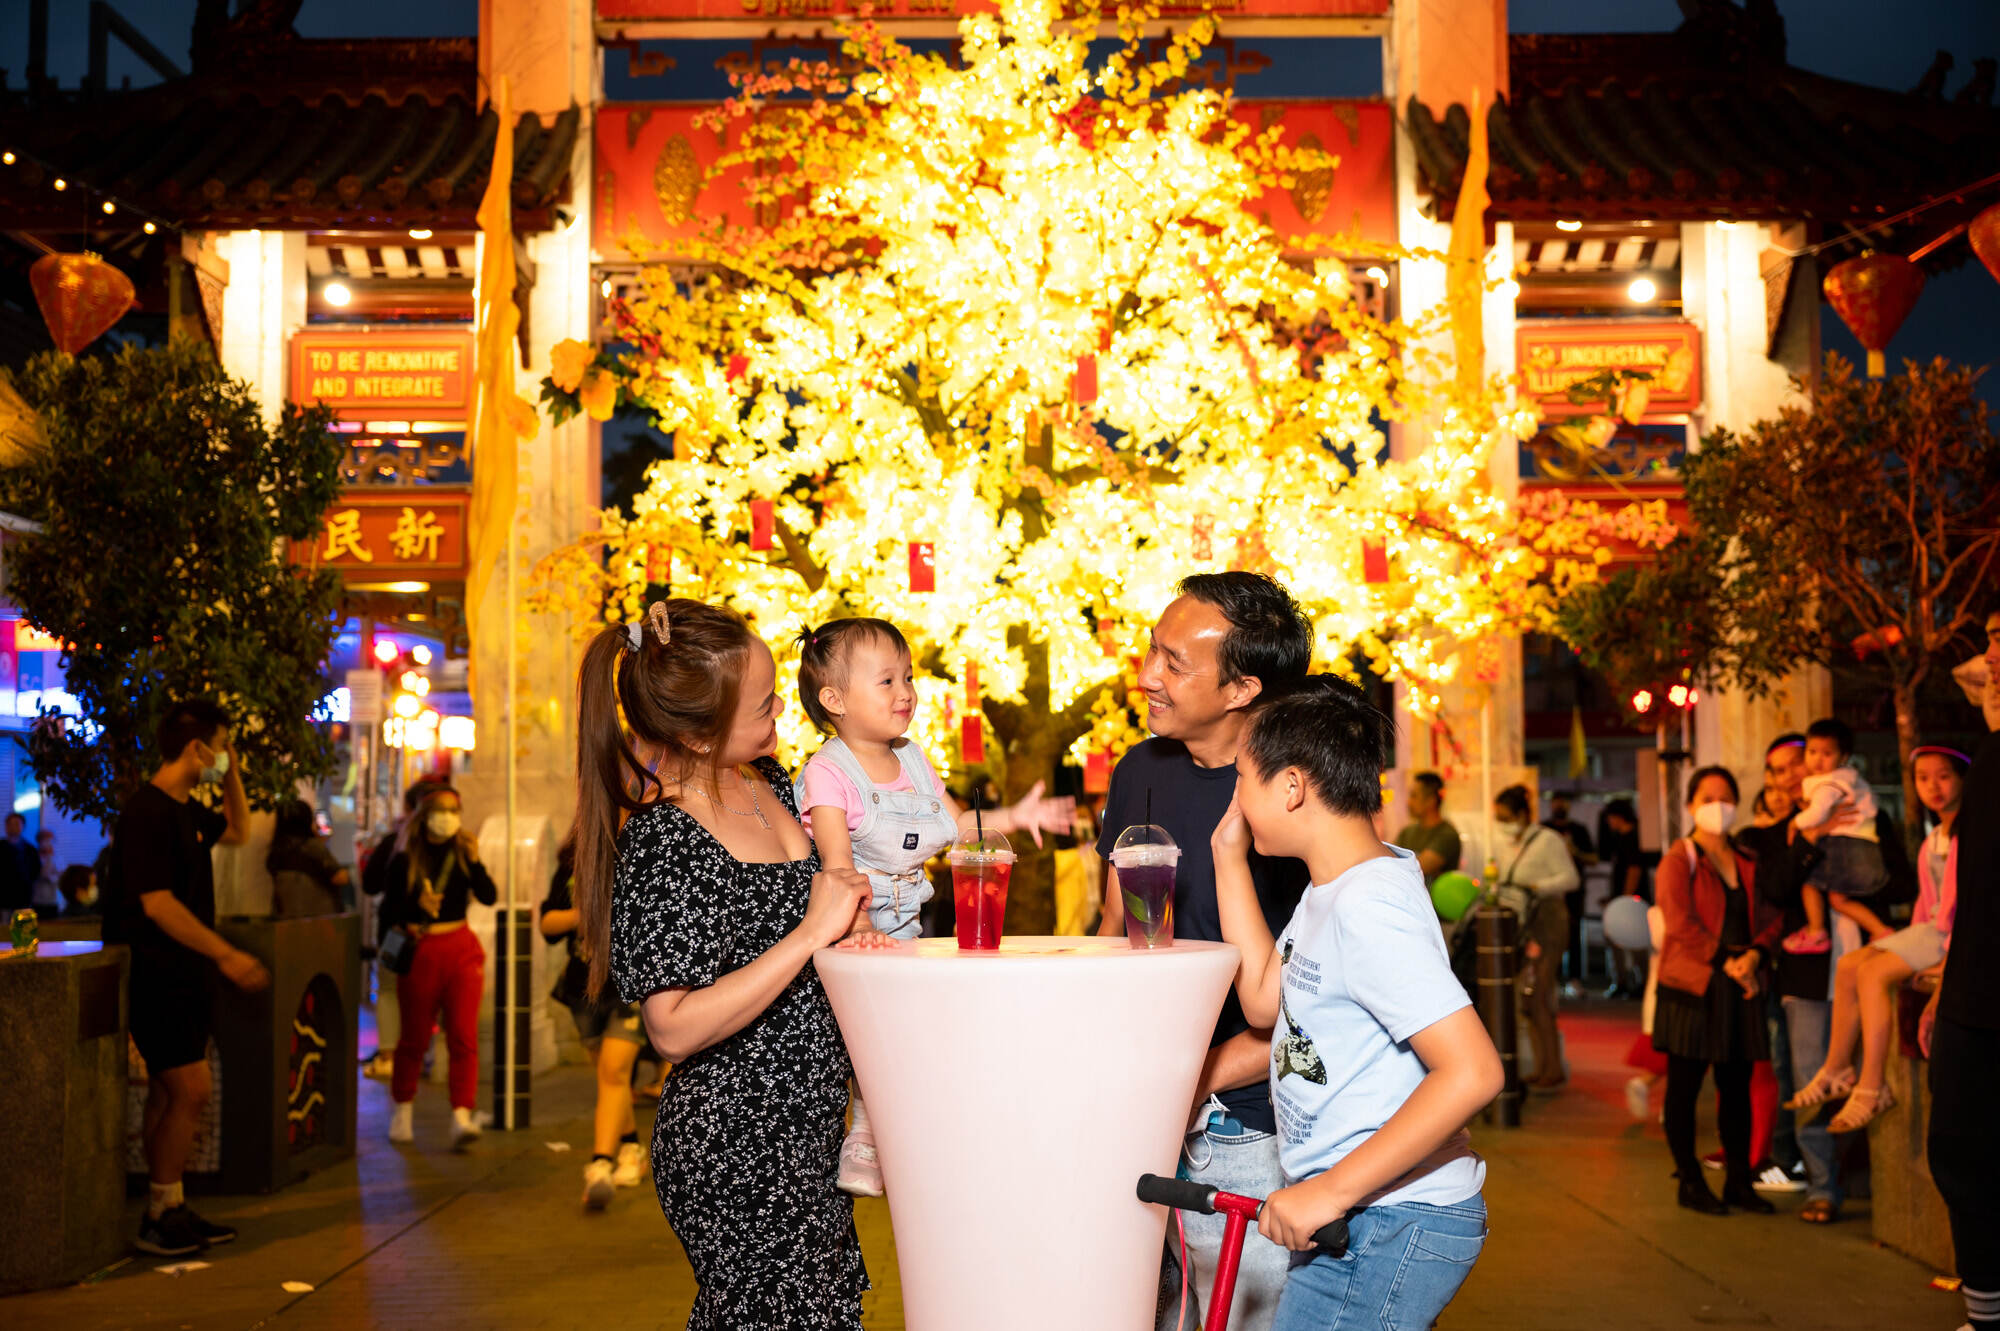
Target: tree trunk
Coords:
[(1032, 740), (1906, 743)]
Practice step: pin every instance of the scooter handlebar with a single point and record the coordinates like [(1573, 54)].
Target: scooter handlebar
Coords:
[(1183, 1195), (1178, 1193)]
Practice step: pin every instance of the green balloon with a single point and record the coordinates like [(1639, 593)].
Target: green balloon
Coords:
[(1453, 894)]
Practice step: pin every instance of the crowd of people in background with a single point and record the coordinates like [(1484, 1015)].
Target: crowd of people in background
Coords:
[(1774, 965)]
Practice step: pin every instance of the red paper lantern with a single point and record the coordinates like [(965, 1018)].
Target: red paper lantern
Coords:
[(1873, 294), (1984, 233), (81, 297)]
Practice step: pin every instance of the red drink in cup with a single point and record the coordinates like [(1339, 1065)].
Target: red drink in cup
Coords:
[(980, 868)]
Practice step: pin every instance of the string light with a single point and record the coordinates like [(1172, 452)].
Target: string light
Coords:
[(109, 207)]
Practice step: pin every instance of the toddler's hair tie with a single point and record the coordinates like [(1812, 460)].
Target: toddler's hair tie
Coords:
[(632, 632)]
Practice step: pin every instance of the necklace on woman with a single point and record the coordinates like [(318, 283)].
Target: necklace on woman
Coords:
[(714, 797)]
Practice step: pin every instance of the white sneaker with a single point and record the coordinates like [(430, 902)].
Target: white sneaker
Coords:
[(464, 1129), (1639, 1098), (597, 1185), (1773, 1178), (402, 1122), (631, 1168), (860, 1168)]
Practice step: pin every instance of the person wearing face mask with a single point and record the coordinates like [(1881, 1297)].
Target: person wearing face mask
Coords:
[(78, 886), (160, 903), (1719, 935), (433, 876), (1536, 862)]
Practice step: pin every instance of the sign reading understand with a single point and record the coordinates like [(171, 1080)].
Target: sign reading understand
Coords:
[(1555, 354), (365, 372)]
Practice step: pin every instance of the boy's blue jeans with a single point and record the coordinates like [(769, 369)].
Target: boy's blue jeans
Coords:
[(1403, 1265)]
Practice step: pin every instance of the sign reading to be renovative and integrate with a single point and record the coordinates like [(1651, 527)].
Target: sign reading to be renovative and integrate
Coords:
[(364, 372)]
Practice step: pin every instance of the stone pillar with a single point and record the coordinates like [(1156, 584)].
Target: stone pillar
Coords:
[(1441, 53), (263, 305), (1722, 290), (548, 52)]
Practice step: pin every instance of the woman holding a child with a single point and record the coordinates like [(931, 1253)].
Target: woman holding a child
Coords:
[(701, 897)]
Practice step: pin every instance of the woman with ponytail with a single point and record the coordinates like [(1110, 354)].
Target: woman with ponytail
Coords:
[(699, 897)]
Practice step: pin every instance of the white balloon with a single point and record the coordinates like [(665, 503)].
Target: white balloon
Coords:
[(1625, 924)]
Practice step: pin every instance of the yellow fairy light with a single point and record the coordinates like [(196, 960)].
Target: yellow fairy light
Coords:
[(1022, 242)]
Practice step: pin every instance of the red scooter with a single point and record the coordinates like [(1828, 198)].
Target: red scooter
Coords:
[(1182, 1195)]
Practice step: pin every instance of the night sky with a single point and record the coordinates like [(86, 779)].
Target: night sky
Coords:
[(1868, 41)]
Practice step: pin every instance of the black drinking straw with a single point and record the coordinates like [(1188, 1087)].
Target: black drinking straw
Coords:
[(1149, 806), (978, 828)]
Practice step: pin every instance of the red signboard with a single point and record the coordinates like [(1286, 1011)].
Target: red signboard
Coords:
[(1634, 520), (364, 372), (390, 535), (653, 191), (1555, 353), (640, 11)]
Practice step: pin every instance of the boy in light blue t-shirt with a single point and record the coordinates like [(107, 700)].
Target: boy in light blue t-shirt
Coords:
[(1377, 1058)]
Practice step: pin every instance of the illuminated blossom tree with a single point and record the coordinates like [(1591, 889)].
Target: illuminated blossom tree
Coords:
[(1013, 354)]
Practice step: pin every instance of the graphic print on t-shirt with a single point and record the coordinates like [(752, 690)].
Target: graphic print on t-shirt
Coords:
[(1295, 1055)]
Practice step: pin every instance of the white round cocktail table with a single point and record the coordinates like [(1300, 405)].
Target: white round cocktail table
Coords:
[(1016, 1097)]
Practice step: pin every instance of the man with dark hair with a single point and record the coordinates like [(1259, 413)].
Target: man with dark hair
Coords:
[(1429, 835), (1226, 641), (161, 903)]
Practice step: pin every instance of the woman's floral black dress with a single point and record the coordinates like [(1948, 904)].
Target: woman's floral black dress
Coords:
[(747, 1143)]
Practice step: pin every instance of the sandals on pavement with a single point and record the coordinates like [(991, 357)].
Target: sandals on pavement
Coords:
[(1863, 1108), (1825, 1085), (1819, 1211)]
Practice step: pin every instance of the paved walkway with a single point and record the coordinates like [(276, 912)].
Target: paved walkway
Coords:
[(1585, 1235)]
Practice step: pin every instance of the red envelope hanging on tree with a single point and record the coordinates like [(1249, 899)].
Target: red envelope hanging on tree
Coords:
[(923, 566), (971, 741), (1374, 560), (763, 523), (1097, 772)]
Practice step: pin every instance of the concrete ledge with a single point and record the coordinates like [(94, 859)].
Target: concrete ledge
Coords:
[(1909, 1216)]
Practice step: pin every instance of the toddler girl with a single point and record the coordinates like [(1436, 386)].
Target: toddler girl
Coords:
[(872, 801)]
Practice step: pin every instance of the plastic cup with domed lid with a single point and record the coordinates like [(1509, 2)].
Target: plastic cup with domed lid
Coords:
[(981, 863), (1146, 858)]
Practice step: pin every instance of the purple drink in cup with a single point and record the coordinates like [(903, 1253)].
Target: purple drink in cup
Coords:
[(1145, 858)]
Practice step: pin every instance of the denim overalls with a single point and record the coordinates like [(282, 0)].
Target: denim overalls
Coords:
[(900, 830)]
